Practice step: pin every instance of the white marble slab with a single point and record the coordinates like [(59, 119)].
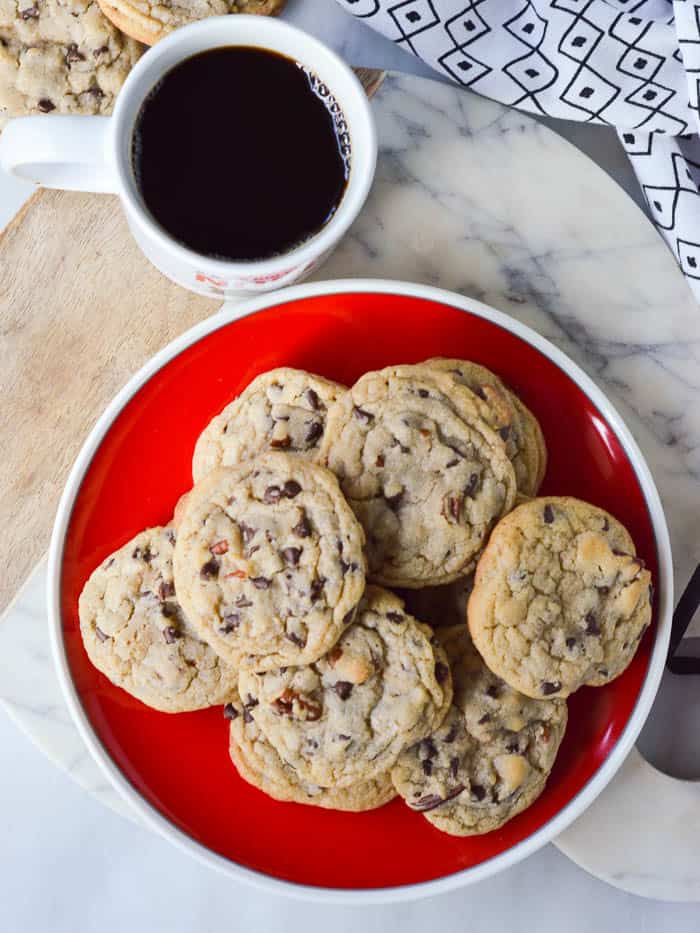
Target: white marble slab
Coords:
[(489, 203)]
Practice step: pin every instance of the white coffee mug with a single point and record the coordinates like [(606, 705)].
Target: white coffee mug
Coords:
[(94, 154)]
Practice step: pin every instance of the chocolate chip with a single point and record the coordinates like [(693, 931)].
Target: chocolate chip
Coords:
[(96, 92), (423, 393), (247, 533), (364, 417), (343, 688), (166, 588), (302, 529), (603, 671), (430, 801), (243, 602), (260, 583), (247, 715), (472, 486), (102, 49), (603, 590), (281, 443), (484, 719), (170, 535), (592, 627), (379, 462), (504, 432), (549, 687), (230, 711), (171, 634), (349, 616), (316, 589), (291, 488), (272, 495), (314, 433), (30, 12), (493, 690), (442, 672), (100, 634), (571, 643), (210, 569), (296, 639), (394, 501), (620, 553), (454, 766), (512, 747), (250, 702), (312, 399), (231, 622), (548, 515), (169, 610), (606, 525), (477, 390), (344, 738), (347, 568), (427, 766), (73, 55), (478, 791), (427, 747), (452, 734), (291, 555), (452, 463), (395, 617)]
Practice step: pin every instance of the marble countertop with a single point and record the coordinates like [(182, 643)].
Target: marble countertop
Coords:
[(70, 864)]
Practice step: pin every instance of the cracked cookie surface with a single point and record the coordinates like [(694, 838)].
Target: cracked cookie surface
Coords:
[(135, 632), (60, 56), (283, 409), (490, 758), (497, 406), (560, 599), (346, 718), (424, 474), (151, 20), (258, 763), (269, 565)]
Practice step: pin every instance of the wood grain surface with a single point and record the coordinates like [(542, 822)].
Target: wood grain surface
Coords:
[(81, 309)]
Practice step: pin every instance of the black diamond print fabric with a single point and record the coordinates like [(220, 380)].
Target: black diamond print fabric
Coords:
[(632, 64)]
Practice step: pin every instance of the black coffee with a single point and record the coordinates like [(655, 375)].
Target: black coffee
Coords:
[(240, 154)]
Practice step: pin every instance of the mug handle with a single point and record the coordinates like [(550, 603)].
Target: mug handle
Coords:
[(58, 151)]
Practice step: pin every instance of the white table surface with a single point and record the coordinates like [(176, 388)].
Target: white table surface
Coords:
[(67, 863)]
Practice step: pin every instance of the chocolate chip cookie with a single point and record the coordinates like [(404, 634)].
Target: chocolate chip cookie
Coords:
[(135, 632), (269, 564), (259, 764), (60, 56), (284, 409), (151, 20), (347, 717), (506, 415), (560, 599), (490, 758), (424, 474)]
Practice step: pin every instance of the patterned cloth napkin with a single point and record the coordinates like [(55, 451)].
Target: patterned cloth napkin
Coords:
[(632, 64)]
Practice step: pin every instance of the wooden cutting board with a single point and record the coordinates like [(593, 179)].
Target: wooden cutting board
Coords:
[(81, 309)]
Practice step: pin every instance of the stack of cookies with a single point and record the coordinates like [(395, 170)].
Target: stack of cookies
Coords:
[(267, 594)]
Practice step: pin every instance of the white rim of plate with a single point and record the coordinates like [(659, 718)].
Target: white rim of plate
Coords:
[(576, 806)]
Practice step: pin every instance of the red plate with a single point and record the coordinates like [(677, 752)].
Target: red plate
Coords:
[(180, 763)]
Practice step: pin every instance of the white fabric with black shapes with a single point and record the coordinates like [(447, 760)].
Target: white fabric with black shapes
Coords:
[(632, 64)]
